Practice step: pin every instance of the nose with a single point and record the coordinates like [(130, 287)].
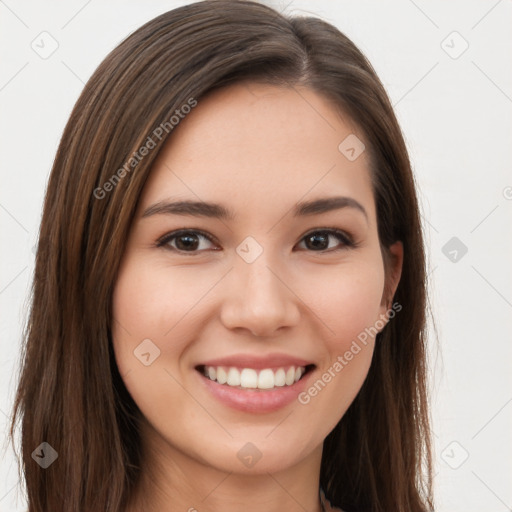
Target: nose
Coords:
[(259, 298)]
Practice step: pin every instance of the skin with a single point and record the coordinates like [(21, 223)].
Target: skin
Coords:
[(257, 150)]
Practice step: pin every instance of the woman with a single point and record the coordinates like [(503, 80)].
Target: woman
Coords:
[(229, 296)]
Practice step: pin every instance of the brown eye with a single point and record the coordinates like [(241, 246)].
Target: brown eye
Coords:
[(191, 241), (319, 240)]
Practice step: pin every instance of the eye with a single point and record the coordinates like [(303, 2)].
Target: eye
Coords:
[(319, 240), (186, 241), (194, 241)]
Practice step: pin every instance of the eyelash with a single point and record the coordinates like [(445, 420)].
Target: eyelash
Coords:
[(347, 240)]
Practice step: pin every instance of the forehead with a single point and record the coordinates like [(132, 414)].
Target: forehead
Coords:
[(256, 146)]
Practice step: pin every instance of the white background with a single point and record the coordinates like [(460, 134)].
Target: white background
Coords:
[(455, 113)]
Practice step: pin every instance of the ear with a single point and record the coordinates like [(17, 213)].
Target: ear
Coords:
[(393, 261)]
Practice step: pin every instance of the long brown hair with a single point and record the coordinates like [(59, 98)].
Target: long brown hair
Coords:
[(70, 393)]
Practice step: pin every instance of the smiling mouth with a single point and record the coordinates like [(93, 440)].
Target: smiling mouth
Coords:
[(256, 380)]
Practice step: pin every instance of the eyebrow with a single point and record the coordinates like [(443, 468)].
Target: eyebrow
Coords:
[(217, 211)]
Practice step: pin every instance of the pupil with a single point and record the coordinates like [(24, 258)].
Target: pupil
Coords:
[(315, 241), (191, 242)]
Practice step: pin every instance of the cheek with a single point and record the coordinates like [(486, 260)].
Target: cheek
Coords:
[(149, 318), (150, 302), (349, 307), (349, 301), (348, 304), (142, 310)]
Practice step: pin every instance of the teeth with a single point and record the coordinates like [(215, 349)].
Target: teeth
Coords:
[(290, 376), (233, 377), (222, 376), (266, 379), (249, 378), (280, 378)]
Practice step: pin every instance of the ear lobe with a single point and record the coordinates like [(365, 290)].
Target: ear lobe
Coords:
[(393, 270)]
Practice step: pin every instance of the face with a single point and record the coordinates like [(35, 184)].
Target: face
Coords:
[(262, 282)]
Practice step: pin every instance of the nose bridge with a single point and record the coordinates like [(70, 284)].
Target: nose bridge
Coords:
[(258, 282), (258, 278), (258, 298)]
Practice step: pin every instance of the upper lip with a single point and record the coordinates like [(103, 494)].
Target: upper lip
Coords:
[(257, 362)]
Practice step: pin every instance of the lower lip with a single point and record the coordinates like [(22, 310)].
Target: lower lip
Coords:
[(255, 401)]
